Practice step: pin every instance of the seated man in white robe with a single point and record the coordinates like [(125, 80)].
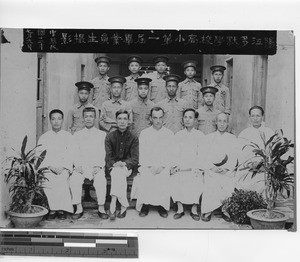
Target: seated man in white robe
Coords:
[(122, 158), (59, 161), (89, 163), (221, 150), (152, 185), (258, 134), (186, 174)]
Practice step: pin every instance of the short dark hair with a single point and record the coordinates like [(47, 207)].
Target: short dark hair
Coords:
[(257, 107), (196, 114), (156, 108), (89, 109), (56, 111), (122, 111)]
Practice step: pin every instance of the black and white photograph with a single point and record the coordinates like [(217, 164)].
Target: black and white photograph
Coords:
[(147, 129)]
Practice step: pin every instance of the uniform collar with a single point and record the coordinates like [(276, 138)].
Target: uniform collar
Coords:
[(170, 99), (119, 101), (132, 77), (142, 101), (210, 108), (122, 133), (187, 80), (213, 83), (78, 105), (158, 76), (106, 77)]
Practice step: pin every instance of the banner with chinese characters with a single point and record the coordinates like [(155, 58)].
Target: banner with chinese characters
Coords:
[(150, 41)]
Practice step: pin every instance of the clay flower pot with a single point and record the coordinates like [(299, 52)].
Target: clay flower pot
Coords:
[(24, 220)]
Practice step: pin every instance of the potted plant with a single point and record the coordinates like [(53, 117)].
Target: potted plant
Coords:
[(273, 167), (240, 202), (25, 180)]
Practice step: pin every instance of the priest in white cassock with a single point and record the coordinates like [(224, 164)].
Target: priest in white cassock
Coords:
[(186, 172), (89, 163), (59, 161), (221, 149), (152, 185), (256, 133)]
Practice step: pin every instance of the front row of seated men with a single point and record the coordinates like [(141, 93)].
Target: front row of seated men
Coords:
[(184, 166)]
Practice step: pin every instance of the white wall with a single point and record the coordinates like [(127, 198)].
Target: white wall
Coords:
[(18, 102)]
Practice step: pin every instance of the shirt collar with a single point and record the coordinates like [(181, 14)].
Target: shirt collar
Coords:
[(213, 83), (122, 133), (142, 101), (132, 77), (158, 76)]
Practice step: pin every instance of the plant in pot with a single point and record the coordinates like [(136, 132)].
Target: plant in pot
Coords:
[(25, 180), (273, 166)]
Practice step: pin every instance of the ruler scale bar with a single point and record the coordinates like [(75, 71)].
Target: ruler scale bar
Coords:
[(35, 243)]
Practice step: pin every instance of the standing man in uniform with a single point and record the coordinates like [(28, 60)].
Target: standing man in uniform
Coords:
[(172, 105), (152, 185), (109, 108), (101, 90), (141, 106), (59, 161), (130, 86), (122, 158), (189, 89), (222, 100), (208, 113), (89, 163), (75, 120), (158, 84)]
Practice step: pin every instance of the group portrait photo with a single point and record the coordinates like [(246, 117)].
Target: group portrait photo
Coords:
[(110, 129)]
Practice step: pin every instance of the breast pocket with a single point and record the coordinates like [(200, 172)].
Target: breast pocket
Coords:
[(154, 91), (184, 91)]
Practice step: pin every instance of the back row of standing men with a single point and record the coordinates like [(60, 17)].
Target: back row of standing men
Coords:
[(138, 94)]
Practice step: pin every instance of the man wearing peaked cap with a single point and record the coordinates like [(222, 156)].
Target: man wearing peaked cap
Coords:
[(208, 113), (103, 59), (158, 85), (172, 77), (172, 105), (101, 90), (189, 89), (222, 101), (110, 107), (117, 79), (130, 88), (75, 116), (141, 106)]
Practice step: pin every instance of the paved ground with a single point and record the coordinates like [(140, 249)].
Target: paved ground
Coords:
[(132, 220)]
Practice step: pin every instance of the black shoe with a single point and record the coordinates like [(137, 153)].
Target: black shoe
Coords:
[(62, 215), (113, 216), (162, 212), (226, 218), (77, 216), (205, 218), (144, 211), (51, 215), (122, 215), (103, 215), (195, 216), (178, 215)]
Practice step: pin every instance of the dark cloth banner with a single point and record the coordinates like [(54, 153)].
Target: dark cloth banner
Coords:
[(246, 42)]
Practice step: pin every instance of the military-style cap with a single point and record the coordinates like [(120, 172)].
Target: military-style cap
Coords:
[(209, 89), (118, 79), (134, 58), (218, 68), (160, 58), (172, 77), (84, 85), (143, 81), (189, 63), (103, 59)]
